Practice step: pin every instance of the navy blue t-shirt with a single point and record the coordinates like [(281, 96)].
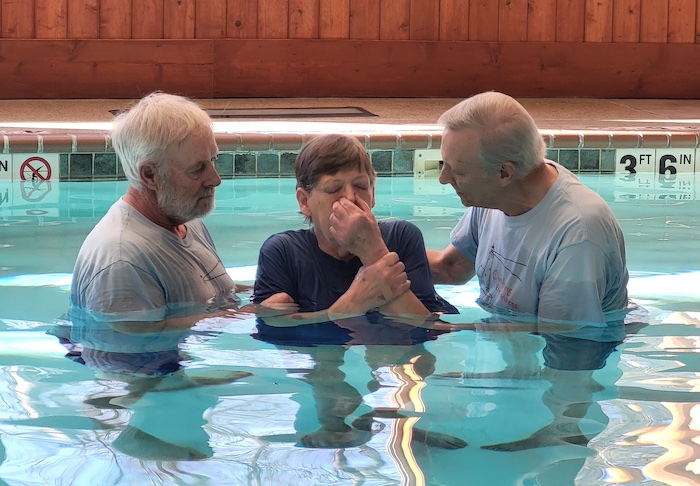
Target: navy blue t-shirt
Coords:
[(291, 262)]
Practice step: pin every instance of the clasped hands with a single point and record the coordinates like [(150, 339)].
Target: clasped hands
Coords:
[(382, 277)]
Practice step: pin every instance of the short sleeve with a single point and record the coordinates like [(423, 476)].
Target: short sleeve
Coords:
[(464, 236), (274, 274)]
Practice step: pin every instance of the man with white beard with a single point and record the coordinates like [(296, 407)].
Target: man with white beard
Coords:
[(151, 258)]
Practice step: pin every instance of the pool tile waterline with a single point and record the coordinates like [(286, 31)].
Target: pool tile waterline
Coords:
[(90, 156)]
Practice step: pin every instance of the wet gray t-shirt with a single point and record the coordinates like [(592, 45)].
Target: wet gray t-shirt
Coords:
[(129, 268), (562, 261)]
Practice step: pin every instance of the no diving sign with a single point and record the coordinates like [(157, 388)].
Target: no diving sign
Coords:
[(34, 167)]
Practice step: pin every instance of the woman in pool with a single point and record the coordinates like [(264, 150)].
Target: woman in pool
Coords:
[(345, 287), (378, 266)]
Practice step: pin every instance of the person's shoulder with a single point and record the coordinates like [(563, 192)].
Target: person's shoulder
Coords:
[(397, 225), (289, 237)]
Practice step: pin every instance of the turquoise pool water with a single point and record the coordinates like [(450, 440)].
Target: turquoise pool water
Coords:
[(111, 421)]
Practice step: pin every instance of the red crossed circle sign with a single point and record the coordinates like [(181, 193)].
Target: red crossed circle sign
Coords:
[(35, 168)]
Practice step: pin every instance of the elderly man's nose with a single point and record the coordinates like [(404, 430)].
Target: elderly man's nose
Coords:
[(445, 176), (213, 177)]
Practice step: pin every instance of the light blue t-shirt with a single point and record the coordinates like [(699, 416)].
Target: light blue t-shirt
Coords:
[(562, 261), (130, 269)]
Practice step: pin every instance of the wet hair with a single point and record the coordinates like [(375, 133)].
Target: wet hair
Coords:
[(156, 122), (507, 132), (329, 154)]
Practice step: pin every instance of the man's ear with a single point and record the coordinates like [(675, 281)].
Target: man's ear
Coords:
[(148, 175), (303, 200), (507, 173)]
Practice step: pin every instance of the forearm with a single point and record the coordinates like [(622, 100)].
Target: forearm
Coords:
[(406, 304), (449, 268)]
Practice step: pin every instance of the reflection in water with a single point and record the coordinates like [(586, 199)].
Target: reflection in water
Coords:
[(388, 343), (676, 424), (140, 372)]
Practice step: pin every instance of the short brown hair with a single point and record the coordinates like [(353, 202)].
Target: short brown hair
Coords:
[(329, 154)]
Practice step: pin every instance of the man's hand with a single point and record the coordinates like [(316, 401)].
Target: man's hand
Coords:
[(355, 228)]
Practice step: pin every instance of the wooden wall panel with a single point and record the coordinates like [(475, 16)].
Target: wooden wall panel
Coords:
[(681, 21), (396, 69), (334, 19), (364, 19), (179, 19), (83, 19), (242, 19), (106, 68), (626, 18), (115, 19), (542, 20), (697, 23), (675, 21), (454, 20), (17, 19), (273, 19), (210, 19), (512, 21), (318, 68), (394, 19), (50, 20), (425, 20), (598, 21), (570, 20), (483, 20), (654, 21), (303, 19), (148, 21)]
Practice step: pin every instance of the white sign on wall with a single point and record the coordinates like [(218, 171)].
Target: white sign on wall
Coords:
[(658, 161), (5, 167), (35, 167)]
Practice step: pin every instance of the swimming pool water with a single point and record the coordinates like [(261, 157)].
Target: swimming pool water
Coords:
[(112, 421)]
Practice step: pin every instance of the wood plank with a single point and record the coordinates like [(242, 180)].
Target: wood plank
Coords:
[(681, 21), (425, 20), (697, 24), (115, 19), (483, 20), (242, 19), (50, 19), (626, 18), (542, 20), (394, 19), (654, 21), (179, 19), (148, 23), (17, 19), (105, 68), (512, 21), (83, 19), (364, 19), (334, 19), (570, 20), (210, 19), (323, 68), (598, 25), (273, 19), (303, 19), (454, 20), (205, 68)]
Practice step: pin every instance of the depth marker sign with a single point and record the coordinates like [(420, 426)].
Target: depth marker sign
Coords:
[(35, 168)]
